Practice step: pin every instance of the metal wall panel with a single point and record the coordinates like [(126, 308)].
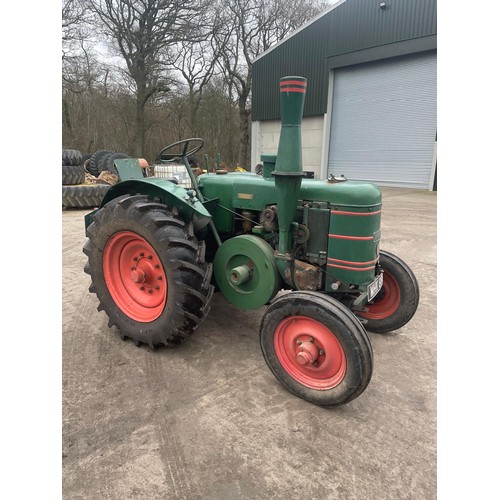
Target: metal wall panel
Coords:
[(384, 121), (352, 26)]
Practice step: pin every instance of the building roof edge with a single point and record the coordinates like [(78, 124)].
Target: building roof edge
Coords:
[(298, 30)]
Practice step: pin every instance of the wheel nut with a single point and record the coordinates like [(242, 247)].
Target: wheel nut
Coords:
[(321, 352), (135, 258), (157, 266), (141, 288), (157, 287), (150, 257), (141, 254), (160, 278), (299, 342), (150, 291)]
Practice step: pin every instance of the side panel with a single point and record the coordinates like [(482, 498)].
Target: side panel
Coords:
[(353, 245), (219, 188), (236, 191)]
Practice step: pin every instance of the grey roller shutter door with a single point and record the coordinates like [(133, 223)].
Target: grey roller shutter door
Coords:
[(384, 121)]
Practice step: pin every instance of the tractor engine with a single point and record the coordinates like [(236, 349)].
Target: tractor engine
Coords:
[(335, 228)]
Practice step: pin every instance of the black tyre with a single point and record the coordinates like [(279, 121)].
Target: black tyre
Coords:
[(72, 174), (397, 301), (85, 158), (71, 157), (107, 162), (83, 196), (316, 348), (148, 271), (93, 163)]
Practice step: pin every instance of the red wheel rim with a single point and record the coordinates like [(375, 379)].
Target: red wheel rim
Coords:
[(310, 352), (135, 276), (386, 302)]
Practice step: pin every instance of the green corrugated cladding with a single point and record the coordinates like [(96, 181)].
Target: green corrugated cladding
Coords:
[(352, 26)]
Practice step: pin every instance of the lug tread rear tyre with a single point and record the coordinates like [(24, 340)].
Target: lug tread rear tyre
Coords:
[(72, 174), (83, 196), (181, 255), (71, 157), (346, 329)]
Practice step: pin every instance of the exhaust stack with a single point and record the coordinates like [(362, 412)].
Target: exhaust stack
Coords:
[(289, 171)]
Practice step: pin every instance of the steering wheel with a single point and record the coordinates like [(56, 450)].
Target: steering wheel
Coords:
[(168, 156)]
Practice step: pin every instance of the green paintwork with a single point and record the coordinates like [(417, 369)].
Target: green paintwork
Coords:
[(168, 193), (128, 169), (354, 253), (355, 194), (237, 192), (248, 191), (268, 164), (289, 156), (245, 271)]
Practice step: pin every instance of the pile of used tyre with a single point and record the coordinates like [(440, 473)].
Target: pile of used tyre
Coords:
[(86, 179)]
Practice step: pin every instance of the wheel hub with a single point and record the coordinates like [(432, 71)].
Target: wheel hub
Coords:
[(135, 276), (386, 302), (308, 353), (138, 275)]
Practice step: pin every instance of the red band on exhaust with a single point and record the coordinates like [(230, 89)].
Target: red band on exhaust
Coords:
[(292, 82)]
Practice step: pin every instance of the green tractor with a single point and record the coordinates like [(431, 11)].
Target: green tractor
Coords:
[(157, 251)]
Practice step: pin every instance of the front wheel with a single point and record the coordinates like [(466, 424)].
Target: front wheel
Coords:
[(316, 348), (397, 301)]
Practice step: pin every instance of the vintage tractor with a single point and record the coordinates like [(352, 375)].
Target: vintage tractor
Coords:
[(157, 251)]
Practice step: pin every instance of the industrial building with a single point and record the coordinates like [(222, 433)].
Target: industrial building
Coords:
[(370, 108)]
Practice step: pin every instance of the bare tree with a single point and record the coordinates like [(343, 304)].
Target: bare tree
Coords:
[(75, 27), (252, 26), (143, 33), (196, 63)]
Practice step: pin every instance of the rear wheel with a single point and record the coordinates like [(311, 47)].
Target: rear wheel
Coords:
[(397, 301), (316, 348), (148, 271)]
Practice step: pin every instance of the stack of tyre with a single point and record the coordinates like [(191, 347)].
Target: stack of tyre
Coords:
[(80, 190)]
